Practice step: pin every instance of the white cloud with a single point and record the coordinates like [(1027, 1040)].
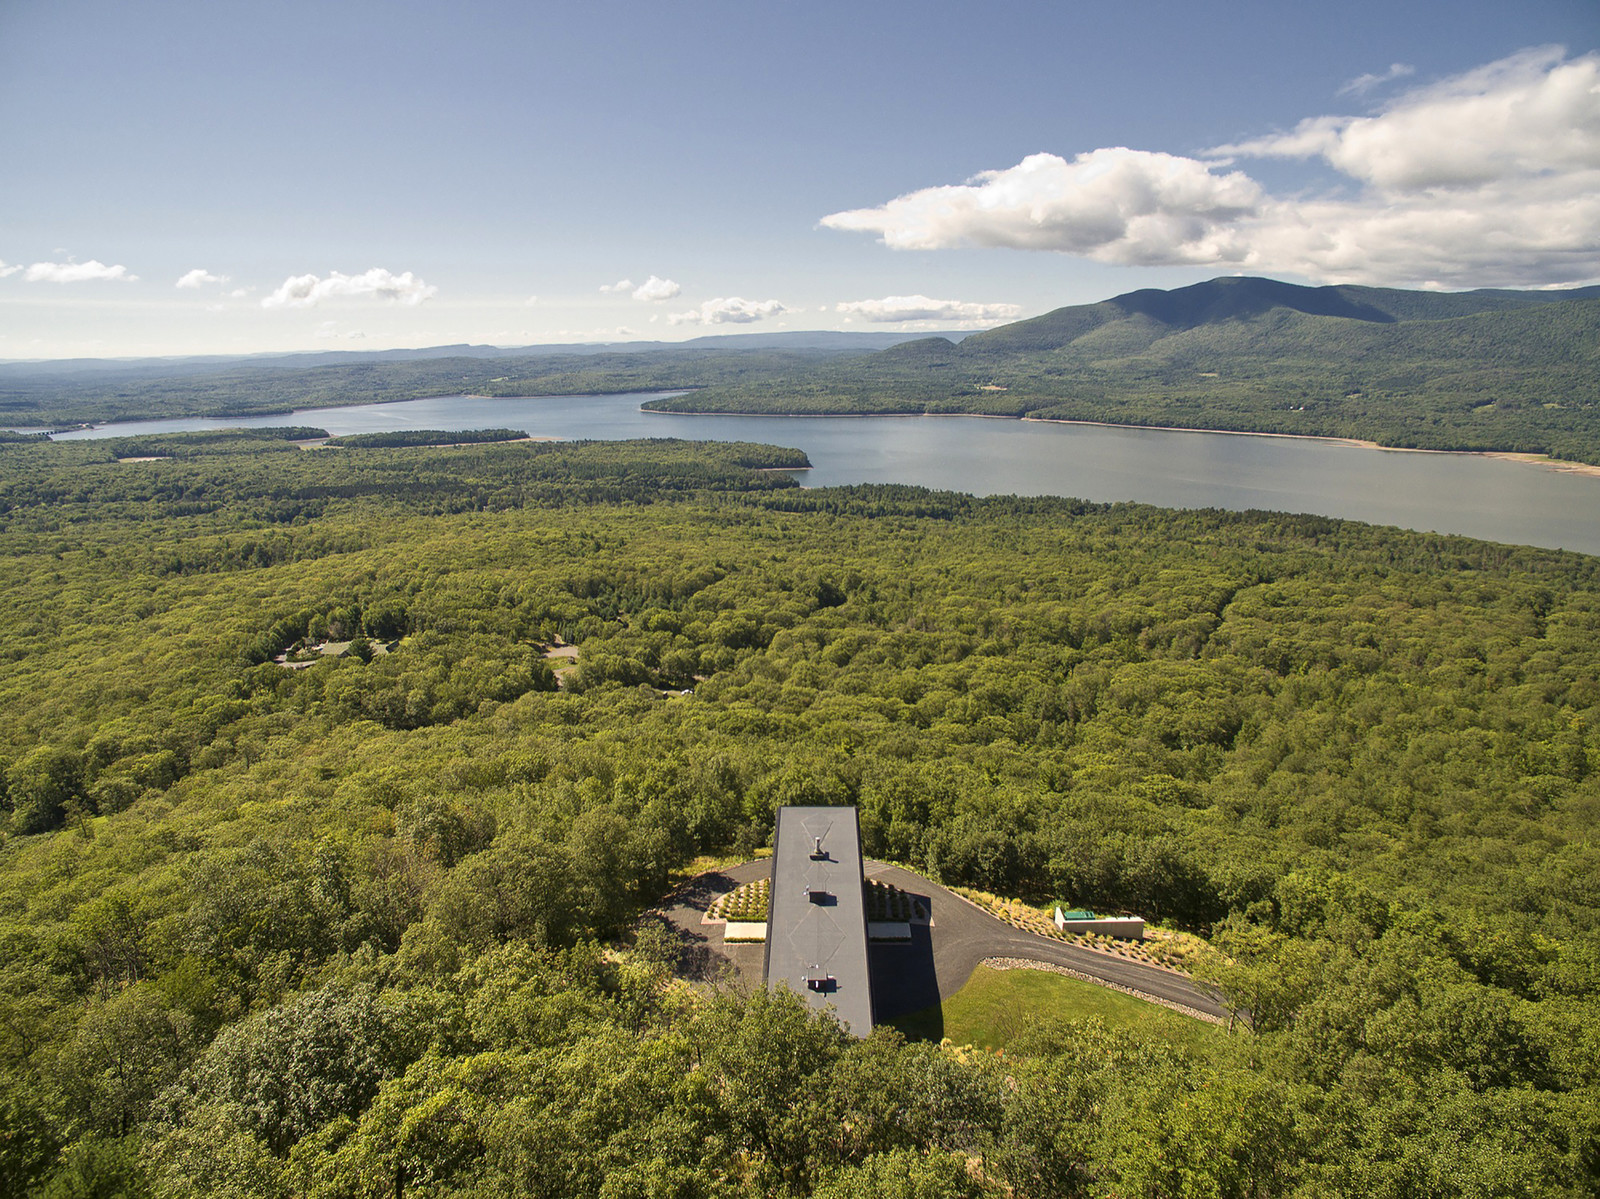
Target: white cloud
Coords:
[(530, 301), (330, 330), (1531, 115), (199, 277), (306, 291), (653, 290), (730, 311), (76, 272), (1362, 84), (922, 308), (1116, 204), (1489, 178), (7, 270)]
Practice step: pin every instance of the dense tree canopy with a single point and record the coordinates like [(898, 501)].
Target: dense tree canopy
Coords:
[(364, 925)]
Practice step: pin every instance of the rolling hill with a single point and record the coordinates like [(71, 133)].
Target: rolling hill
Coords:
[(1482, 370)]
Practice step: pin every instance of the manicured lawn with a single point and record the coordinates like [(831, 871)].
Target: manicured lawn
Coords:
[(997, 1005)]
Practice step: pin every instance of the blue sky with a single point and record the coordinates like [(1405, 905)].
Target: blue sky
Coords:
[(372, 174)]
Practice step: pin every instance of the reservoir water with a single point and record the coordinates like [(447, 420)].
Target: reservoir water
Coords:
[(1496, 500)]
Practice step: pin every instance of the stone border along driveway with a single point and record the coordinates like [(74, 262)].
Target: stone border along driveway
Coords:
[(959, 937)]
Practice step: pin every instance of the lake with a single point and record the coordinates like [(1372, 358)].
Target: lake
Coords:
[(1481, 497)]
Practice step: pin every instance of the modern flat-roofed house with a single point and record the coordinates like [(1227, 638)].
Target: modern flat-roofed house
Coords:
[(817, 919)]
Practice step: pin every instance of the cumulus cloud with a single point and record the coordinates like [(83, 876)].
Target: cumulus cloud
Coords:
[(653, 290), (307, 291), (330, 330), (922, 308), (1362, 84), (1533, 115), (76, 272), (199, 277), (7, 270), (732, 310), (1116, 204), (1489, 178)]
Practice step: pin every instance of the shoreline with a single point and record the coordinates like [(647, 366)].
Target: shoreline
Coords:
[(1559, 465), (858, 416), (321, 443)]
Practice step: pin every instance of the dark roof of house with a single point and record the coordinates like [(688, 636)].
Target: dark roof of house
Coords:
[(817, 922)]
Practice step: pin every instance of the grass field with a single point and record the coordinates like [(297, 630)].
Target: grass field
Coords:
[(997, 1005)]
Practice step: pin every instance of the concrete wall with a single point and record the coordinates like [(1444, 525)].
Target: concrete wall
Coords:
[(1128, 928)]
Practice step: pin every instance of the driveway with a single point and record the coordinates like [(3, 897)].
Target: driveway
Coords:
[(936, 963), (702, 956), (963, 935)]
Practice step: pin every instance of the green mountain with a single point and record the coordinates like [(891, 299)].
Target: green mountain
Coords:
[(1247, 299), (1481, 370)]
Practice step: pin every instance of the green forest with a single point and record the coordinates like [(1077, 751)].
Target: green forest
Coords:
[(1476, 371), (373, 927), (1488, 370)]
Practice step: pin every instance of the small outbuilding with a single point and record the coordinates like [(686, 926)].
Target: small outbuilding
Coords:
[(1128, 928)]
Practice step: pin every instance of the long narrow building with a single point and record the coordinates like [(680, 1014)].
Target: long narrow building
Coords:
[(817, 919)]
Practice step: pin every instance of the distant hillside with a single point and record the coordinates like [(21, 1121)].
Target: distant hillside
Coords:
[(1481, 370), (34, 395), (1244, 299), (147, 368), (95, 390)]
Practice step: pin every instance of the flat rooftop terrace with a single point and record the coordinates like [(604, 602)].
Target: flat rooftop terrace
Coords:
[(817, 920)]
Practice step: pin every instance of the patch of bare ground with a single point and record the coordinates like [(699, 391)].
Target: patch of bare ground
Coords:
[(562, 652)]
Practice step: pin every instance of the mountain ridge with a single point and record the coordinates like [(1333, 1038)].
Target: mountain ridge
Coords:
[(1245, 297), (1487, 370)]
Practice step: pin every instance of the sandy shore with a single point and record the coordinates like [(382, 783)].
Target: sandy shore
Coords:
[(1556, 464)]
